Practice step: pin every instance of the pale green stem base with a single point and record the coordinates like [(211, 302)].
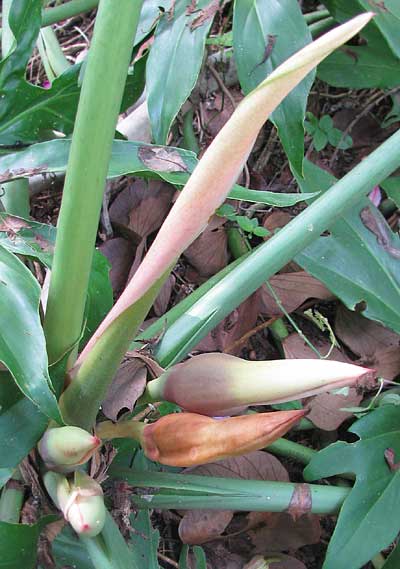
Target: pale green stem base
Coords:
[(15, 197)]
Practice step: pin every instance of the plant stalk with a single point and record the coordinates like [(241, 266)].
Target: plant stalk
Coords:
[(181, 337), (321, 26), (11, 500), (289, 449), (225, 493), (67, 10), (98, 109)]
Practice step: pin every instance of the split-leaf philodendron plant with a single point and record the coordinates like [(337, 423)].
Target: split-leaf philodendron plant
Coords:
[(213, 390)]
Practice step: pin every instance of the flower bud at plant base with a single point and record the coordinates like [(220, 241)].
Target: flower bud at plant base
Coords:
[(81, 502), (64, 448), (217, 384), (189, 439)]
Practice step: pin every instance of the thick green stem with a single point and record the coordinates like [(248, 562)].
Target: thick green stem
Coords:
[(289, 449), (321, 26), (189, 137), (68, 10), (53, 58), (270, 257), (312, 17), (99, 104), (7, 36), (203, 492), (11, 500)]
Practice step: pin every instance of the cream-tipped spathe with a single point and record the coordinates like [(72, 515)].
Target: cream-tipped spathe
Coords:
[(63, 449), (216, 384)]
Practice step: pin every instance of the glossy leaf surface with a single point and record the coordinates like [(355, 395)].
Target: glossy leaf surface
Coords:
[(21, 423), (22, 343), (36, 241), (266, 33), (30, 113), (174, 63), (18, 544), (352, 262), (173, 165), (368, 521)]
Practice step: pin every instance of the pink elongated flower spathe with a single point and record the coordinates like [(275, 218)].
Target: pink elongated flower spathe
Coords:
[(217, 384), (219, 168)]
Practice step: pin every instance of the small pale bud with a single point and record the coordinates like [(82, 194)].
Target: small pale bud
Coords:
[(63, 449), (217, 384), (189, 439), (81, 502)]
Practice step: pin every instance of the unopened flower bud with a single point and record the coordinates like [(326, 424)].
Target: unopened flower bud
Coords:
[(217, 384), (81, 502), (189, 439), (63, 449)]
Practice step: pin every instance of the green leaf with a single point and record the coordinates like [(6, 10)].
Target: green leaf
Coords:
[(266, 33), (36, 241), (173, 165), (392, 188), (144, 539), (349, 259), (30, 113), (148, 17), (18, 544), (109, 549), (320, 139), (336, 138), (5, 475), (393, 561), (386, 19), (69, 551), (24, 19), (22, 343), (174, 64), (326, 123), (200, 557), (361, 67), (21, 423), (368, 521)]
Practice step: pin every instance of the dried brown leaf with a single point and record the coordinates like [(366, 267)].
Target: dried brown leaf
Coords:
[(300, 502), (232, 328), (208, 254), (377, 346), (12, 224), (162, 159), (206, 14), (127, 386), (293, 289), (199, 526), (161, 302), (120, 253), (141, 207)]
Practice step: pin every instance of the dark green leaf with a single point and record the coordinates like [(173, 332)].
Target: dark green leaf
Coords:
[(22, 343), (148, 17), (392, 188), (352, 262), (386, 19), (360, 67), (326, 123), (368, 521), (18, 544), (36, 240), (21, 424), (144, 539), (174, 165), (69, 551), (393, 561), (109, 549), (200, 556), (24, 19), (266, 33), (174, 63), (320, 139), (5, 475)]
